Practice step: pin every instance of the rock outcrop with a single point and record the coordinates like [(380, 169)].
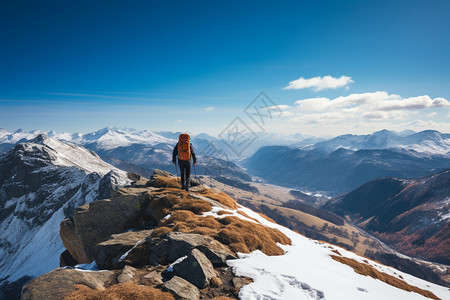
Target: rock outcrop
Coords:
[(133, 235), (195, 268), (57, 283)]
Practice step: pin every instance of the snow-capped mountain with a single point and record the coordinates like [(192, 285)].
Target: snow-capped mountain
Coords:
[(341, 170), (428, 141), (41, 181)]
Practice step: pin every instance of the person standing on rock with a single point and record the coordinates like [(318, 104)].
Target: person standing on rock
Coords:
[(183, 149)]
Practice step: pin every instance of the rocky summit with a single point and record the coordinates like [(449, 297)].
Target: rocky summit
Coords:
[(152, 234)]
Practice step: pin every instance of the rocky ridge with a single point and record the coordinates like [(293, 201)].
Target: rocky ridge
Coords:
[(146, 235)]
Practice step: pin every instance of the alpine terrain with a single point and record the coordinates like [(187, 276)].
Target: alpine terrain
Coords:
[(41, 182), (153, 240)]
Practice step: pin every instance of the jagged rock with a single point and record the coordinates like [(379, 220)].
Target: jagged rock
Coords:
[(182, 288), (108, 253), (66, 259), (153, 251), (158, 172), (240, 282), (97, 221), (57, 283), (137, 180), (111, 182), (181, 244), (195, 268), (154, 276), (166, 250), (71, 241), (128, 275)]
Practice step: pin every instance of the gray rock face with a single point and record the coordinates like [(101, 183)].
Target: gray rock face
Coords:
[(181, 244), (108, 253), (71, 241), (97, 221), (195, 268), (57, 283), (182, 288), (128, 275), (109, 183), (174, 245)]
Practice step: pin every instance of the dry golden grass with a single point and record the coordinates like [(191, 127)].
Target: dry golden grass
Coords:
[(220, 197), (337, 252), (224, 212), (368, 270), (166, 182), (162, 205), (197, 206), (247, 216), (216, 282), (122, 291), (160, 231), (239, 235)]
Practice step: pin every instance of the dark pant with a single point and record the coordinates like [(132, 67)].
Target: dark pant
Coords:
[(185, 169)]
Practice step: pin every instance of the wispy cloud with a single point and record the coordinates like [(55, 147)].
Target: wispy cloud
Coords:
[(364, 111), (210, 108), (319, 83)]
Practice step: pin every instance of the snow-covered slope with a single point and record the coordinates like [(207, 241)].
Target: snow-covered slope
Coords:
[(308, 271), (41, 181)]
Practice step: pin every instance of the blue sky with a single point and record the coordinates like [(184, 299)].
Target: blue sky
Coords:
[(195, 65)]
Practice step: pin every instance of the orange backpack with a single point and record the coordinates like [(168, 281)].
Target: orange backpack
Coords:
[(184, 147)]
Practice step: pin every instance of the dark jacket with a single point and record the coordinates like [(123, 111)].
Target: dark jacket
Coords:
[(175, 154)]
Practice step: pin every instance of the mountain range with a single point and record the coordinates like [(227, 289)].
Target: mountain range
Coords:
[(44, 180), (346, 162), (410, 215)]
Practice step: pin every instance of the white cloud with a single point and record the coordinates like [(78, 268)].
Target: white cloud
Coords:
[(319, 83), (210, 108), (377, 105), (364, 112)]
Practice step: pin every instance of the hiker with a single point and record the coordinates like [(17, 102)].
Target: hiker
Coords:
[(184, 151)]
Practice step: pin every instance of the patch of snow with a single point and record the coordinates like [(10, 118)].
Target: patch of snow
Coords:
[(170, 268), (87, 267), (316, 275), (128, 252)]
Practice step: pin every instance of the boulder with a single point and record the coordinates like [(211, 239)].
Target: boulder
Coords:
[(66, 259), (174, 245), (158, 172), (137, 180), (240, 282), (154, 276), (97, 221), (128, 275), (108, 253), (195, 268), (59, 282), (182, 288), (181, 244), (71, 241), (151, 252)]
